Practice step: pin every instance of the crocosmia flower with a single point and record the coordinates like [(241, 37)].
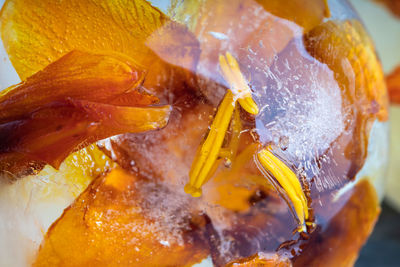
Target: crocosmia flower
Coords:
[(172, 133)]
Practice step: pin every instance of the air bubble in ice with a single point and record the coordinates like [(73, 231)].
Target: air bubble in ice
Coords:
[(283, 142)]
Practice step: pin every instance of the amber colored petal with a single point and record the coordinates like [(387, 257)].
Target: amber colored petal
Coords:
[(36, 33), (393, 84), (339, 243), (134, 98), (118, 119), (51, 133), (77, 100), (346, 48), (77, 75), (305, 13), (242, 180), (262, 259), (108, 223)]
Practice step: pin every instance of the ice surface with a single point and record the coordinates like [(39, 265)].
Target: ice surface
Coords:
[(301, 103), (168, 210)]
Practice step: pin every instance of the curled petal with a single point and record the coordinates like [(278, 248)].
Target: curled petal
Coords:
[(51, 133), (118, 119), (36, 33), (134, 98), (75, 101), (78, 75)]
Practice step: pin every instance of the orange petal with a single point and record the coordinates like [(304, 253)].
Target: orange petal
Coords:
[(262, 259), (78, 75), (348, 51), (304, 13), (47, 135), (242, 180), (112, 225), (51, 133), (339, 243), (115, 120), (134, 98), (393, 84), (63, 108), (36, 33)]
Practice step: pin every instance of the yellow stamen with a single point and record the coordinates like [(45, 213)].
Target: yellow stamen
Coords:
[(206, 159), (229, 153), (209, 151), (289, 182), (238, 85)]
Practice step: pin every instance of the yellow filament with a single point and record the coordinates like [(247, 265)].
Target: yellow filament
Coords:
[(208, 153), (238, 85), (236, 127), (289, 182), (206, 159)]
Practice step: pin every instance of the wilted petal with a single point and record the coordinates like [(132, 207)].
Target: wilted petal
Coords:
[(134, 98), (36, 33), (51, 133), (75, 101), (78, 75), (349, 52), (339, 242), (109, 222), (262, 259), (115, 120)]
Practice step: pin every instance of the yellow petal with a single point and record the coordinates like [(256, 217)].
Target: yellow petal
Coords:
[(38, 32)]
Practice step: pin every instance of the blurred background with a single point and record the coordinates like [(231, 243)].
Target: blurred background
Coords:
[(382, 20)]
